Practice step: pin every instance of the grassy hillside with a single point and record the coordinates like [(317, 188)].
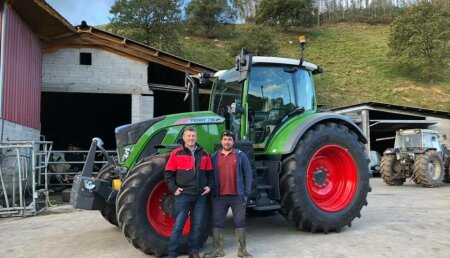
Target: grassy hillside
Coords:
[(354, 57)]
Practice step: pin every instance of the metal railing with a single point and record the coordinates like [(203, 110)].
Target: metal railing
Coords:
[(20, 163), (63, 165)]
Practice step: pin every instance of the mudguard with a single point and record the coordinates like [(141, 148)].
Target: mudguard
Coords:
[(322, 118)]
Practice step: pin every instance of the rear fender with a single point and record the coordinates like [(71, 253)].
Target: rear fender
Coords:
[(286, 139)]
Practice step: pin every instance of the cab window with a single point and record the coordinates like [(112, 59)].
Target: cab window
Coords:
[(270, 98)]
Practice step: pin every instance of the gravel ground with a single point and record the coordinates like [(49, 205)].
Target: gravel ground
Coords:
[(406, 221)]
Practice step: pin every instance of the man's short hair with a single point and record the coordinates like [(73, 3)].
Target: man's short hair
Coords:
[(190, 129), (229, 134)]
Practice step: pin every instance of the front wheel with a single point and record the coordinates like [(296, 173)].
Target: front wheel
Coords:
[(324, 184), (109, 210), (145, 207), (428, 169)]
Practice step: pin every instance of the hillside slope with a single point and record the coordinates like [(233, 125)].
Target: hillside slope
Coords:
[(354, 57)]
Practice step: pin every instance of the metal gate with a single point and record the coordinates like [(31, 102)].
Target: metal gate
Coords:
[(22, 164)]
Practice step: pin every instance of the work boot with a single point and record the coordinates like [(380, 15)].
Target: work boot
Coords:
[(217, 244), (194, 255), (240, 236)]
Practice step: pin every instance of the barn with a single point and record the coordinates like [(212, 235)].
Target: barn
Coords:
[(68, 83)]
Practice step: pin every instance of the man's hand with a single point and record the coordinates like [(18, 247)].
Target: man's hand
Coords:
[(207, 190), (178, 191)]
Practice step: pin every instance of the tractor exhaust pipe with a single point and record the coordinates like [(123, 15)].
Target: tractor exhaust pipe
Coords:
[(192, 88)]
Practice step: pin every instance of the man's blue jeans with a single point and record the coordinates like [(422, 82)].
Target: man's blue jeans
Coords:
[(184, 203)]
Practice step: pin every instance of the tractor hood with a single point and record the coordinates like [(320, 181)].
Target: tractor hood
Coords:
[(137, 141)]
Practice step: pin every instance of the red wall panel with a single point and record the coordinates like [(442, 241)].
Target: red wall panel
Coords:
[(23, 71)]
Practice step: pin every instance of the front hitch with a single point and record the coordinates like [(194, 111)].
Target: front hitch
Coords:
[(91, 193)]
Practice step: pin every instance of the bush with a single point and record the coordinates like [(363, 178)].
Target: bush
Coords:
[(259, 41)]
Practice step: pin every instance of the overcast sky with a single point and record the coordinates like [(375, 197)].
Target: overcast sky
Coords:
[(94, 12)]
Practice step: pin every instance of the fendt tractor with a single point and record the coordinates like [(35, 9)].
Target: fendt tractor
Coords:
[(417, 154), (308, 165)]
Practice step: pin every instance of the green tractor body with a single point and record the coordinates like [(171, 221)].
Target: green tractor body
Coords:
[(308, 165)]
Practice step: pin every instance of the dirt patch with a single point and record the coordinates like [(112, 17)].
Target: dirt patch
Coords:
[(411, 86)]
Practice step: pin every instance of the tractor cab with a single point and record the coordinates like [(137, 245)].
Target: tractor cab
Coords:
[(417, 140), (272, 91)]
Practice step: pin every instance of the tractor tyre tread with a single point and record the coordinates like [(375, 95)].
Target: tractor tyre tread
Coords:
[(109, 210), (420, 170), (296, 206), (387, 171)]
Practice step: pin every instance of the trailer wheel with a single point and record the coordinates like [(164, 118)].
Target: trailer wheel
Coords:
[(109, 211), (145, 207), (324, 184), (428, 169), (390, 170)]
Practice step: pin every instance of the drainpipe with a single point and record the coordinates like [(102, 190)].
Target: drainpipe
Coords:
[(2, 65)]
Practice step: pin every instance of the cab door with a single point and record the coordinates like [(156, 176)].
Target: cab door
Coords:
[(271, 96)]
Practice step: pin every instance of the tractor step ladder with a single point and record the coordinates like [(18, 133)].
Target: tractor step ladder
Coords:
[(21, 164)]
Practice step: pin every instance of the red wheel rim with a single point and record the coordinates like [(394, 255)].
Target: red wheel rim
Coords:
[(159, 219), (331, 178)]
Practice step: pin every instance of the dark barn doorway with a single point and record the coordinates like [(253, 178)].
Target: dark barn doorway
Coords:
[(167, 102), (75, 118), (171, 100)]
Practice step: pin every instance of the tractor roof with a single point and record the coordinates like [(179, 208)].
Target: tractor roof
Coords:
[(276, 60), (280, 60), (416, 131)]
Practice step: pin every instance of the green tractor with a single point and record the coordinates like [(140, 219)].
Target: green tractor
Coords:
[(308, 165)]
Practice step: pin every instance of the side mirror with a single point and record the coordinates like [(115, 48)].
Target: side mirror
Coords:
[(243, 64), (205, 78)]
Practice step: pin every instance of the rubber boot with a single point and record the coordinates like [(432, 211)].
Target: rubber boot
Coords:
[(217, 244), (240, 236)]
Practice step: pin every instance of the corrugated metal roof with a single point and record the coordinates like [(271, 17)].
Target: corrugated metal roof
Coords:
[(393, 107)]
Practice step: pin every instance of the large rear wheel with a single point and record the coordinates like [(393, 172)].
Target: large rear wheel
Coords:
[(109, 210), (390, 170), (428, 169), (145, 208), (324, 184)]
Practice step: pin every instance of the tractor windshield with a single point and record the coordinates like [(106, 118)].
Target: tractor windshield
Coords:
[(275, 91), (227, 90), (408, 141)]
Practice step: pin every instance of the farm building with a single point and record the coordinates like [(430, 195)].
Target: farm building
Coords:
[(380, 121), (72, 83)]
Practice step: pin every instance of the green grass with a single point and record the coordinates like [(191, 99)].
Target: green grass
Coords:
[(354, 57)]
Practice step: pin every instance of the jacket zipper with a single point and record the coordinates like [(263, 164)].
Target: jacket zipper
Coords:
[(195, 173)]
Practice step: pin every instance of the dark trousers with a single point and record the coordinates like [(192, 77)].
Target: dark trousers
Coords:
[(184, 203), (220, 208)]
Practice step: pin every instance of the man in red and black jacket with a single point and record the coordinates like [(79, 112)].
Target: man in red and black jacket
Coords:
[(189, 175)]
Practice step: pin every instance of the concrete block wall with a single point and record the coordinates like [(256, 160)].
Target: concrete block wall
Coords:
[(107, 69), (142, 107), (16, 132), (108, 73)]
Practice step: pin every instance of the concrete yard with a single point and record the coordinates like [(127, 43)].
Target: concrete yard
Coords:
[(406, 221)]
